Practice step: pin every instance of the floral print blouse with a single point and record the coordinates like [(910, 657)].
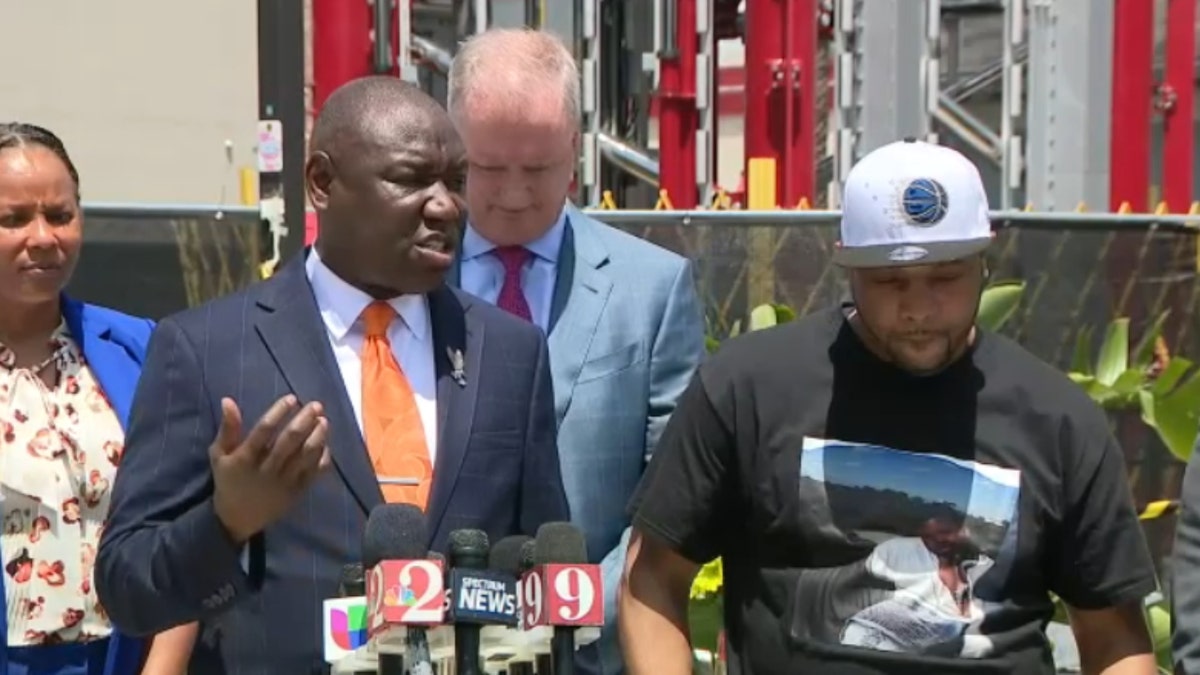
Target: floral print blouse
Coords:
[(59, 448)]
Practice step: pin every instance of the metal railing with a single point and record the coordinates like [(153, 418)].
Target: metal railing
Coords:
[(1052, 220), (1080, 270)]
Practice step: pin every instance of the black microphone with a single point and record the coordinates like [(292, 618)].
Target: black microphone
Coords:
[(544, 666), (394, 532), (564, 544), (468, 551), (508, 556), (353, 583)]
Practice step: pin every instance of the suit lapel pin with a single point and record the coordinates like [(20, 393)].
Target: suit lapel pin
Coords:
[(458, 364)]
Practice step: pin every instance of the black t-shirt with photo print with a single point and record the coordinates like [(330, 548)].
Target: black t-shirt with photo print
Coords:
[(874, 522)]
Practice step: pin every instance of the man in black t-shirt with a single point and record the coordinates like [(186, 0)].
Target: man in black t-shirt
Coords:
[(892, 491)]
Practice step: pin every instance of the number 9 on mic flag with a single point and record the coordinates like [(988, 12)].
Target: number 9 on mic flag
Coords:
[(562, 595)]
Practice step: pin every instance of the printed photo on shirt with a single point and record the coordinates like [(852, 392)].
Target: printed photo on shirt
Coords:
[(916, 549)]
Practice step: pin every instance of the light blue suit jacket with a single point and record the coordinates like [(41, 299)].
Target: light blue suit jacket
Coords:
[(626, 335), (114, 345)]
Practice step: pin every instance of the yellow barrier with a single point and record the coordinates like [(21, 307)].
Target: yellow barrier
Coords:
[(664, 202), (248, 186)]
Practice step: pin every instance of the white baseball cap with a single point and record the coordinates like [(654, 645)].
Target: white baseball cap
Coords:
[(912, 203)]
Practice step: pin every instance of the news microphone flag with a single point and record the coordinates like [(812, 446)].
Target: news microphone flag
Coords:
[(558, 594), (344, 626), (405, 592), (483, 597)]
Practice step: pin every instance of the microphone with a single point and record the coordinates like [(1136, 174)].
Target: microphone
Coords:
[(508, 556), (353, 581), (417, 652), (562, 590), (344, 622), (478, 596), (404, 587), (528, 562)]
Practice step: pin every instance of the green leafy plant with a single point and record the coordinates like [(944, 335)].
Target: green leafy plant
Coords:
[(998, 303), (1166, 389)]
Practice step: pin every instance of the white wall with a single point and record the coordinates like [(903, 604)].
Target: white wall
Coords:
[(144, 92)]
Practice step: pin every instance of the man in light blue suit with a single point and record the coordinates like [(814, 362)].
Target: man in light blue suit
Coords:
[(625, 328)]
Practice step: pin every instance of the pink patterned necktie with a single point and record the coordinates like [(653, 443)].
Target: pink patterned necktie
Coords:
[(512, 296)]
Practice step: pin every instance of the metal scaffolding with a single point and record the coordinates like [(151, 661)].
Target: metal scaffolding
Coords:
[(1077, 94), (1070, 96)]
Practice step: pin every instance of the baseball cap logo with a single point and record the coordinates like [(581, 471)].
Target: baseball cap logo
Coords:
[(902, 254), (924, 202)]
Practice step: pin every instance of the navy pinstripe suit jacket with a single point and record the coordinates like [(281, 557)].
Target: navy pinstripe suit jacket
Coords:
[(164, 558)]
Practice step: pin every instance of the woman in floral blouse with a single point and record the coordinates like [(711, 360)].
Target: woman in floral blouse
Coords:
[(67, 375)]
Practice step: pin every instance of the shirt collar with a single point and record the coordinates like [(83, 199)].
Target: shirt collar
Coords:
[(341, 304), (545, 247)]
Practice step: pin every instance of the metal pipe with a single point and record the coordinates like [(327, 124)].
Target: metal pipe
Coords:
[(678, 118), (430, 12), (668, 40), (382, 47), (1010, 100), (1132, 103), (967, 135), (1026, 220), (433, 53), (634, 161), (340, 44), (975, 125), (1178, 126), (1045, 220), (169, 211)]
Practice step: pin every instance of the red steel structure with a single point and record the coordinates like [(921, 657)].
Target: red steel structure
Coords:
[(1132, 103), (1177, 101), (341, 45), (781, 102), (678, 117)]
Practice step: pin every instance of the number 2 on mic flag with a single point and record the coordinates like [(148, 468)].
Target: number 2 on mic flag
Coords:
[(562, 595), (405, 592)]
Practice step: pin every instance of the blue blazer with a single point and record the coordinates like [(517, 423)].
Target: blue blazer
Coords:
[(626, 335), (115, 347)]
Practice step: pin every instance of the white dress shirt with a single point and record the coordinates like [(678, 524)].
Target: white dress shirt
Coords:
[(341, 306)]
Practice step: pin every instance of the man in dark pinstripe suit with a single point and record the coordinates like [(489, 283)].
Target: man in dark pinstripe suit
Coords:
[(245, 532)]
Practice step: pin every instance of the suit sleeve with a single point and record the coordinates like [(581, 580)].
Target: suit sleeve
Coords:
[(1185, 641), (543, 499), (675, 354), (165, 559)]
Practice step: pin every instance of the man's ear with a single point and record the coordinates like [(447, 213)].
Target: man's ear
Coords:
[(318, 177)]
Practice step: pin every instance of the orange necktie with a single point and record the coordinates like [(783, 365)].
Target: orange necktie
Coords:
[(392, 426)]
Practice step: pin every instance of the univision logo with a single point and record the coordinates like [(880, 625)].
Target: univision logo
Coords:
[(348, 627)]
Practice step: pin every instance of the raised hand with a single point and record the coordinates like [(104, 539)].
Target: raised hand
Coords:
[(257, 477)]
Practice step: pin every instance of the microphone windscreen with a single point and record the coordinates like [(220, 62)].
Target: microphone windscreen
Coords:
[(560, 543), (394, 532), (506, 554), (469, 548), (528, 555), (352, 583)]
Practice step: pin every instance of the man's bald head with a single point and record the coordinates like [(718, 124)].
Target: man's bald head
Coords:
[(367, 106), (384, 174)]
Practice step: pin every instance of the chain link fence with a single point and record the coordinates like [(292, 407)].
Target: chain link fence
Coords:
[(1081, 271)]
